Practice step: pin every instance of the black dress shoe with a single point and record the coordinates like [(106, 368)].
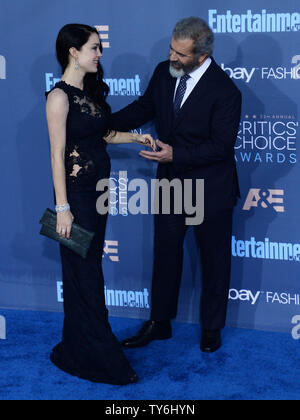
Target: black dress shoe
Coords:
[(211, 341), (151, 330)]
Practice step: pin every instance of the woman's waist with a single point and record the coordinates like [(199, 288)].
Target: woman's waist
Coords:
[(91, 158), (87, 144), (87, 178)]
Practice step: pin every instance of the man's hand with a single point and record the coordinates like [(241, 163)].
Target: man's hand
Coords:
[(164, 156)]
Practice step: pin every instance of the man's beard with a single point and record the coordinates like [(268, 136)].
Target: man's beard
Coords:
[(181, 69), (176, 73)]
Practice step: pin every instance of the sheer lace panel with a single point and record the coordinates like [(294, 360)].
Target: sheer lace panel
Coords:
[(88, 107), (78, 164)]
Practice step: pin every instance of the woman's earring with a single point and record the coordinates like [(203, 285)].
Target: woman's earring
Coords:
[(76, 65)]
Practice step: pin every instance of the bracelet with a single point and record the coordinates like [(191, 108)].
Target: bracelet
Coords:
[(63, 208)]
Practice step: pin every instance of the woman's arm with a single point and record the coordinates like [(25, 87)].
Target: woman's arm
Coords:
[(117, 137), (57, 109)]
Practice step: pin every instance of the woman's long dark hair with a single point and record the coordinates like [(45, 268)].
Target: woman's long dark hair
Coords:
[(76, 35)]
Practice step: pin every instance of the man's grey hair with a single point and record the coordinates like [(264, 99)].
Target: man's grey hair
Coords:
[(198, 30)]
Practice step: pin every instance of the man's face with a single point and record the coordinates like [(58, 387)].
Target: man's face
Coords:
[(182, 58)]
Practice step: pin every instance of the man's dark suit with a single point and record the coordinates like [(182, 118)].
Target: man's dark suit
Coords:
[(203, 137)]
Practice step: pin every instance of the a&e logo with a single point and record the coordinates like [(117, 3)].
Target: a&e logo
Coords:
[(104, 35), (265, 198), (111, 250)]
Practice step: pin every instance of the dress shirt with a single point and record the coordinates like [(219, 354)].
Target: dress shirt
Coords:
[(195, 76)]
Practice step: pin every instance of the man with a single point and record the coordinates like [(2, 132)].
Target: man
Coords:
[(197, 110)]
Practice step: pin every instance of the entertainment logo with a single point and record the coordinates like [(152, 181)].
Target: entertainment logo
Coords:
[(268, 139), (117, 298), (2, 68), (127, 298), (117, 87), (51, 81), (250, 22), (265, 249), (124, 87)]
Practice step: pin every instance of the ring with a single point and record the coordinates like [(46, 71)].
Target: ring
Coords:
[(63, 231)]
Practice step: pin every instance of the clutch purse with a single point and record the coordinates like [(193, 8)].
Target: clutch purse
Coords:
[(80, 239)]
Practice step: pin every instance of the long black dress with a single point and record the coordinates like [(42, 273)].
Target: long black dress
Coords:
[(88, 348)]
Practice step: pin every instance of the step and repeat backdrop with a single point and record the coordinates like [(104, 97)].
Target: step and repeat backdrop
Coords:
[(257, 45)]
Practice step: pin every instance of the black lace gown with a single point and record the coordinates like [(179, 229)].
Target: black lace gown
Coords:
[(88, 348)]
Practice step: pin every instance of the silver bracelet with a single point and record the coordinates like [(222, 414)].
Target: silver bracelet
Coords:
[(63, 208)]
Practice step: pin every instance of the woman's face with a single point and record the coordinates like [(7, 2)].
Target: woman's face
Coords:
[(89, 55)]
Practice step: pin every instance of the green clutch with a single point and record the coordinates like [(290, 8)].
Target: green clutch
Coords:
[(80, 239)]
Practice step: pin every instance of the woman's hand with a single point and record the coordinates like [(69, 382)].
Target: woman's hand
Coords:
[(64, 224), (118, 137), (146, 140)]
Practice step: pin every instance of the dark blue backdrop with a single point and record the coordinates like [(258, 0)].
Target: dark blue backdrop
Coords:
[(257, 44)]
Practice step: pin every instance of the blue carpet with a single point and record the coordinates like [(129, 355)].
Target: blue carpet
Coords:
[(252, 365)]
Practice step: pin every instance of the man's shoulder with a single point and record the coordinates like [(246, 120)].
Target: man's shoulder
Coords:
[(162, 68), (221, 79)]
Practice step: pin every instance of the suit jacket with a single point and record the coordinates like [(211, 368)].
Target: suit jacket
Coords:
[(203, 135)]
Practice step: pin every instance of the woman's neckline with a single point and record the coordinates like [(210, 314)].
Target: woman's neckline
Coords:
[(72, 86)]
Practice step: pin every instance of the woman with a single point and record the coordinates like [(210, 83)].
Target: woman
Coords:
[(78, 122)]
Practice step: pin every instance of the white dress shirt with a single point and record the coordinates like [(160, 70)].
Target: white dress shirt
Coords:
[(195, 76)]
